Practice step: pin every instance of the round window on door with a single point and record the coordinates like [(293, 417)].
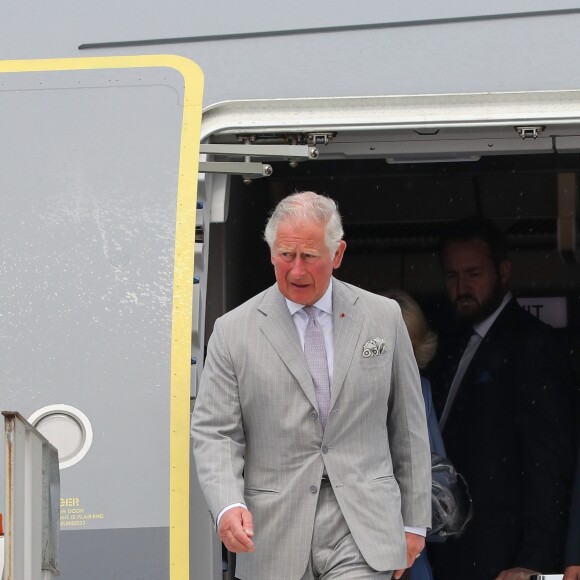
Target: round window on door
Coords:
[(67, 428)]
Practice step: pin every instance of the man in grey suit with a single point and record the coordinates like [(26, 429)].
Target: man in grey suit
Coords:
[(309, 426)]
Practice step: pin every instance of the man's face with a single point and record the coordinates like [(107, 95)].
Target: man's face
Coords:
[(302, 263), (474, 285)]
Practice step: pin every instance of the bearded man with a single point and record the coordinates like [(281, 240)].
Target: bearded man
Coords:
[(503, 399)]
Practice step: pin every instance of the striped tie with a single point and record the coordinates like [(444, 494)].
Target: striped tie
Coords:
[(315, 353)]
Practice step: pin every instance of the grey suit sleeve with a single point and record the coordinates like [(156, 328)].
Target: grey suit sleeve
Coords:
[(408, 438), (216, 428)]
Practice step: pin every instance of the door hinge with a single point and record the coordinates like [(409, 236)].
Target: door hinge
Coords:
[(530, 132), (248, 168)]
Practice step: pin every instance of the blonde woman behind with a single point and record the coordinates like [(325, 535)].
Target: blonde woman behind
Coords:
[(424, 342)]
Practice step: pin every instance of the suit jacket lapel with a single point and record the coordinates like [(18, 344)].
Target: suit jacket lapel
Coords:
[(348, 321), (280, 331)]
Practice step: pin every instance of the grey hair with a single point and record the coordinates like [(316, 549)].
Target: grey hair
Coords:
[(308, 206)]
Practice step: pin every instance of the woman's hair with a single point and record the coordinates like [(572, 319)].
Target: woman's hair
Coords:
[(423, 339), (306, 206)]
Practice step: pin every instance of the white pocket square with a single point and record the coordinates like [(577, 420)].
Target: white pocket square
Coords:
[(374, 347)]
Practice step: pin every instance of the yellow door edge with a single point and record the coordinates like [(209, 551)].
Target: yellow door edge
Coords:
[(182, 274)]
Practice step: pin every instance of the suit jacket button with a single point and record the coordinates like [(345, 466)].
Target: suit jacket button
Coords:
[(324, 449), (314, 415), (313, 489)]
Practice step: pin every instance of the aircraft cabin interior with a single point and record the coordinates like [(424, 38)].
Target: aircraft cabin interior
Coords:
[(393, 214)]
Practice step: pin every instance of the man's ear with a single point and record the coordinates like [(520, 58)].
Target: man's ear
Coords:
[(505, 269), (339, 254)]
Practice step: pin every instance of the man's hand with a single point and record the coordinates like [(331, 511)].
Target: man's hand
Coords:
[(572, 573), (415, 545), (236, 530), (516, 574)]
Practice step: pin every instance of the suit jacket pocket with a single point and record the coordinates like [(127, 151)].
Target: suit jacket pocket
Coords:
[(252, 491), (483, 378), (375, 361), (383, 478)]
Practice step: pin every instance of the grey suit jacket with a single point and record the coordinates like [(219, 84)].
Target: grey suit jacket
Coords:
[(257, 438)]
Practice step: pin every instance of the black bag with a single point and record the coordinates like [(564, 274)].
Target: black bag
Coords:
[(450, 500)]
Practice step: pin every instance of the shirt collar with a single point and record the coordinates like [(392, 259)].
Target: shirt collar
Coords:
[(324, 304), (482, 328)]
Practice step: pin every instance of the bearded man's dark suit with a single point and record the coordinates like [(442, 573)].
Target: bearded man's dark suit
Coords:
[(509, 435), (573, 546)]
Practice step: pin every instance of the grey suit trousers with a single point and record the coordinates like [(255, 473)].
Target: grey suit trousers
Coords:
[(335, 554)]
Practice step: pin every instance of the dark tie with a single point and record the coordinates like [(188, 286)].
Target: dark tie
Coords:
[(315, 353), (468, 353)]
